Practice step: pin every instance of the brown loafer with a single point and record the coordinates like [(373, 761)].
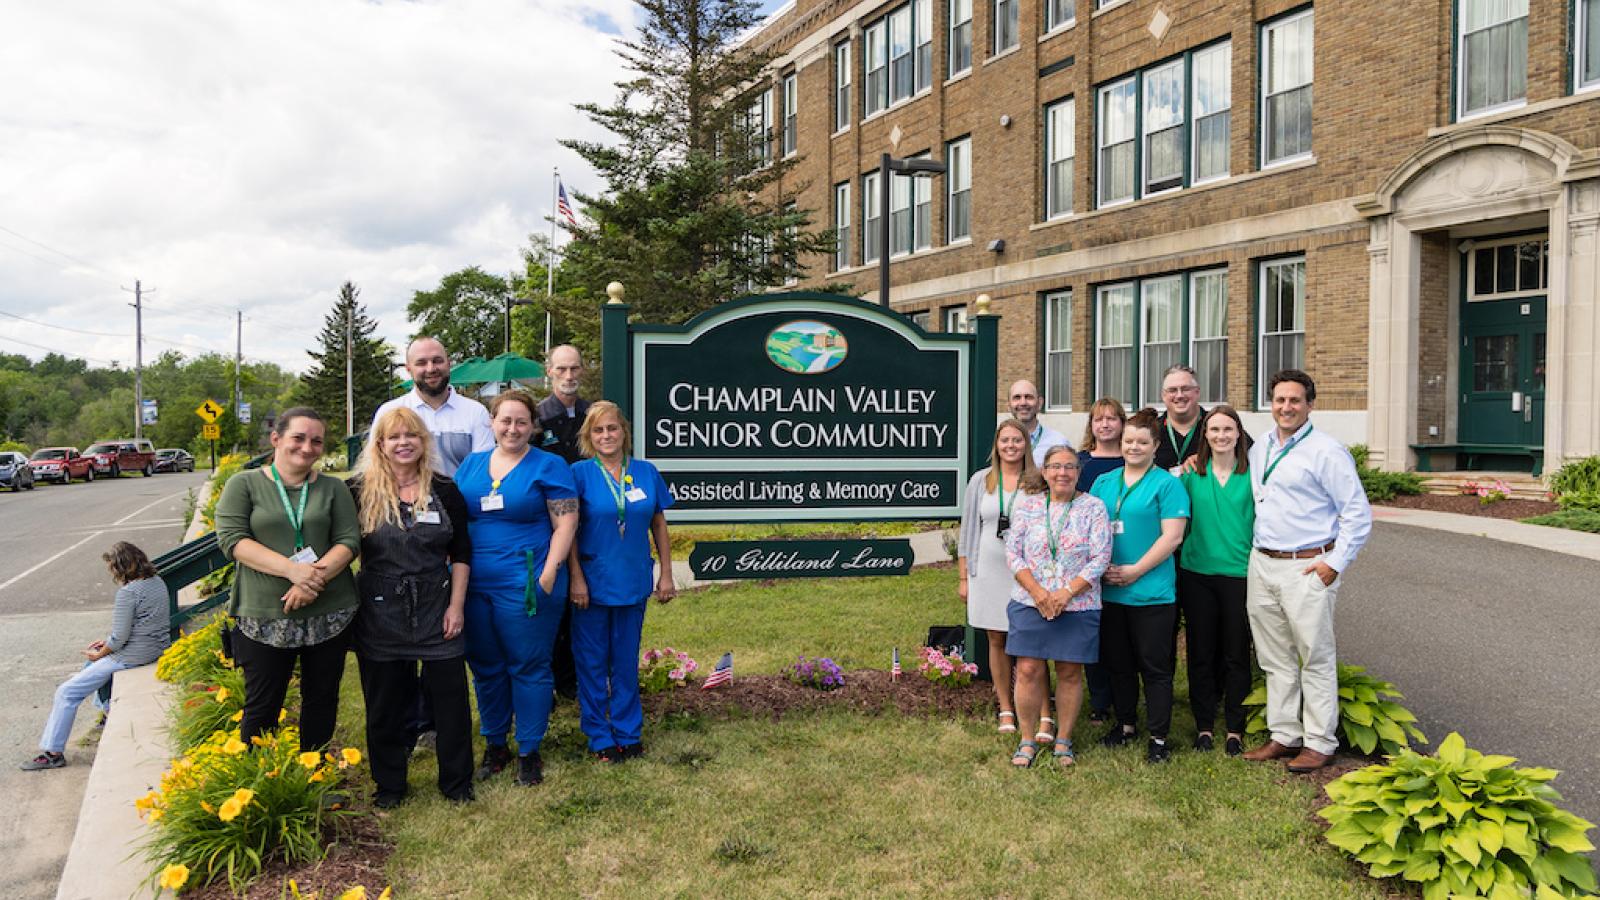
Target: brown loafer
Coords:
[(1269, 750), (1309, 761)]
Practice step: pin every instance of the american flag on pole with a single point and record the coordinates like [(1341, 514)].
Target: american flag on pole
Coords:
[(563, 207), (894, 671), (721, 674)]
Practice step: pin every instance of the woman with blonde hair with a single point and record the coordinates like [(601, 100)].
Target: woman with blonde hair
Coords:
[(415, 560), (984, 581), (622, 505)]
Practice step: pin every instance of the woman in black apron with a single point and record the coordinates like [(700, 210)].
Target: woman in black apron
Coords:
[(413, 583)]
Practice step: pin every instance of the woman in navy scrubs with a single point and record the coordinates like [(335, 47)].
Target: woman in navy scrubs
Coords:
[(521, 514), (622, 511)]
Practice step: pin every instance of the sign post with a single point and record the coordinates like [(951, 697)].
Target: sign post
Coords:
[(210, 410)]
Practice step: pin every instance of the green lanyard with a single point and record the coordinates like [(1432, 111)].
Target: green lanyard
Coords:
[(1124, 491), (619, 491), (1284, 452), (1050, 525), (1001, 490), (1172, 436), (296, 516)]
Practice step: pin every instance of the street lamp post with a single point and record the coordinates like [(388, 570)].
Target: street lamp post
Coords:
[(915, 168)]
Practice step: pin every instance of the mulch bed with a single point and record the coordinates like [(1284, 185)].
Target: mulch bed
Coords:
[(358, 857), (864, 691), (1469, 506)]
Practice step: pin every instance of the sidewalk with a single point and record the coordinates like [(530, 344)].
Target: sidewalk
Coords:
[(1556, 540)]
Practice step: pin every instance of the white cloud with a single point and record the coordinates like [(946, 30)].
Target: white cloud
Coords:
[(257, 154)]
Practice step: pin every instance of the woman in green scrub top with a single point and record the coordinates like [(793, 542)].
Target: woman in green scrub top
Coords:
[(1148, 509), (1212, 575)]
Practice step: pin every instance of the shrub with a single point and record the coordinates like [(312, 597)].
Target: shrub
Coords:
[(665, 669), (1576, 485), (1369, 719), (1461, 824), (1573, 519), (823, 674), (196, 657), (1487, 493), (1381, 485), (948, 670)]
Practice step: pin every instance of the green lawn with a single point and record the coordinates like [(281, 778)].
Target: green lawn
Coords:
[(684, 537), (839, 804)]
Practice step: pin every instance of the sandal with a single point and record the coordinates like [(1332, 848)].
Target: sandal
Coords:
[(1008, 727), (1045, 735), (1063, 753), (1026, 751)]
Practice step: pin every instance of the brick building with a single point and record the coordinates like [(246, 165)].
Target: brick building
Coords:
[(1401, 198)]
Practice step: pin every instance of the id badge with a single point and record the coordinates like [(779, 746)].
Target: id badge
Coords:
[(1047, 573), (1116, 526), (1002, 527), (431, 517), (634, 495), (1176, 471), (493, 503), (304, 555)]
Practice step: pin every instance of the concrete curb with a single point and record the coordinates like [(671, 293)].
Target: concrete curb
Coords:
[(105, 862), (1543, 537)]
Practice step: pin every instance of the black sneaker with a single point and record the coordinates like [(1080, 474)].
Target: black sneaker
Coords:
[(495, 758), (629, 751), (1099, 716), (388, 799), (530, 769), (1204, 743), (1157, 752), (1233, 747), (1118, 736), (609, 755), (45, 760)]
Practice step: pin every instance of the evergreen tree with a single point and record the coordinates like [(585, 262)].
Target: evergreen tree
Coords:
[(696, 208), (322, 388)]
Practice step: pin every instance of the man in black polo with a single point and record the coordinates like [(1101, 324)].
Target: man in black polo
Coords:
[(561, 416), (1179, 437)]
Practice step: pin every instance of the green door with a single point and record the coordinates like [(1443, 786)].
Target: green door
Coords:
[(1502, 371)]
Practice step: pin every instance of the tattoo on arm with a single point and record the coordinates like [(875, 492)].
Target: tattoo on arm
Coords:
[(564, 507)]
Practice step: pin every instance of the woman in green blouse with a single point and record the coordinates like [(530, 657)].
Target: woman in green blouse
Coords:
[(293, 535), (1211, 577)]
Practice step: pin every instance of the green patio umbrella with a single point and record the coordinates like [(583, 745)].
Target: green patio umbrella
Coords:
[(505, 367)]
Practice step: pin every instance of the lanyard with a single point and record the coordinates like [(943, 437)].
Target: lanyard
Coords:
[(1050, 525), (1038, 432), (618, 490), (1172, 436), (1124, 489), (1002, 491), (296, 516), (1284, 452)]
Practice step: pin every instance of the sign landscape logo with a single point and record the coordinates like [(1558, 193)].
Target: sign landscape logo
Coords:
[(806, 347)]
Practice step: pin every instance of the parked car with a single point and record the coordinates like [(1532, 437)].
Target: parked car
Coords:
[(174, 460), (15, 473), (123, 455), (61, 464)]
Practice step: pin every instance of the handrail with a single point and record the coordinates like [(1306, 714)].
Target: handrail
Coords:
[(183, 566)]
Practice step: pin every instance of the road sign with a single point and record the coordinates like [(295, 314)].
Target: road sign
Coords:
[(211, 431), (147, 413), (244, 413), (209, 410)]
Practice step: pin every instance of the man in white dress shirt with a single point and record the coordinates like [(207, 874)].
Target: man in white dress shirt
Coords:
[(1024, 404), (459, 425), (1312, 517)]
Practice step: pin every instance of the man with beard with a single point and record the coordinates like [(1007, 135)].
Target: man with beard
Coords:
[(1023, 401), (1179, 437), (561, 416), (460, 426)]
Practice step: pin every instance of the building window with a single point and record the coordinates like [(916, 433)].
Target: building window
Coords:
[(1286, 89), (1208, 333), (1283, 319), (899, 55), (1491, 54), (841, 226), (870, 213), (758, 128), (960, 36), (1058, 350), (920, 319), (1059, 127), (875, 53), (1211, 92), (955, 319), (1505, 269), (1586, 67), (1114, 331), (1163, 127), (791, 109), (924, 42), (841, 86), (1006, 24), (1059, 13), (910, 213), (958, 205), (1118, 104), (1161, 331)]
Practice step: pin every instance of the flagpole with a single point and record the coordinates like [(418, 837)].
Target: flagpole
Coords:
[(550, 260)]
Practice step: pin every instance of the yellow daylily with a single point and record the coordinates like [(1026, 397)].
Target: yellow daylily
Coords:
[(310, 759), (174, 876), (351, 755), (222, 695), (237, 717), (233, 746), (359, 892)]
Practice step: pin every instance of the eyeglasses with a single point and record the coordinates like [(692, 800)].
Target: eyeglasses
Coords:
[(1059, 467), (1175, 391)]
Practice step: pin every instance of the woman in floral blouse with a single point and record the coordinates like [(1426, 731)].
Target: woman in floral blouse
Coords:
[(1060, 543)]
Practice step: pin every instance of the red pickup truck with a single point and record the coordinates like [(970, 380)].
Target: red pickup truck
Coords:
[(130, 455), (61, 464)]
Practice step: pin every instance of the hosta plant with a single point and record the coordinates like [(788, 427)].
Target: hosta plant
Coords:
[(1369, 719), (1461, 824)]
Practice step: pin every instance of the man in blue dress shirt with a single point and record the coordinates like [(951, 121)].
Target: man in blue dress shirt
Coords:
[(1312, 517)]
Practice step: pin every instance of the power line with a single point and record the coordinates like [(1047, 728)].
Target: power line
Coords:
[(62, 253), (93, 359), (109, 334)]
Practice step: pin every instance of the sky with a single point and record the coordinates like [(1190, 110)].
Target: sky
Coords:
[(253, 156)]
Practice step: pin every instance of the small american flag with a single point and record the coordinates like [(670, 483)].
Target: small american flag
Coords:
[(894, 671), (721, 674), (563, 207)]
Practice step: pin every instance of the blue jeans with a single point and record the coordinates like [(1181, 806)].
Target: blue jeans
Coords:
[(71, 693)]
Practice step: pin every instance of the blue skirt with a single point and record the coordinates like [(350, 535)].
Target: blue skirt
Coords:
[(1071, 637)]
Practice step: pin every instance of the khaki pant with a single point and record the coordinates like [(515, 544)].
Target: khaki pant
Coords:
[(1291, 620)]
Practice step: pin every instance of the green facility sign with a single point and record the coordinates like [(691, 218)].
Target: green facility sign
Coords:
[(711, 560)]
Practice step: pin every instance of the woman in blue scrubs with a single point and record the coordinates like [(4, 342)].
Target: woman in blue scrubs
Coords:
[(522, 512), (622, 511)]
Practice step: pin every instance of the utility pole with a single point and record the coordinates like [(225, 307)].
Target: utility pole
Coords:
[(238, 364), (349, 374), (138, 358)]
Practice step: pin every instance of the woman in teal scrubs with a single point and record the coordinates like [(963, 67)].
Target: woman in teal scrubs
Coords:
[(522, 511), (622, 511), (1148, 510)]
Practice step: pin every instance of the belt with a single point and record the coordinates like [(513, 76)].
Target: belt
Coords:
[(1308, 553)]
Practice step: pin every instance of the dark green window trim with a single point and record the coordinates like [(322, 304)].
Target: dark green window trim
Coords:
[(1257, 377), (1185, 278), (1259, 136)]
